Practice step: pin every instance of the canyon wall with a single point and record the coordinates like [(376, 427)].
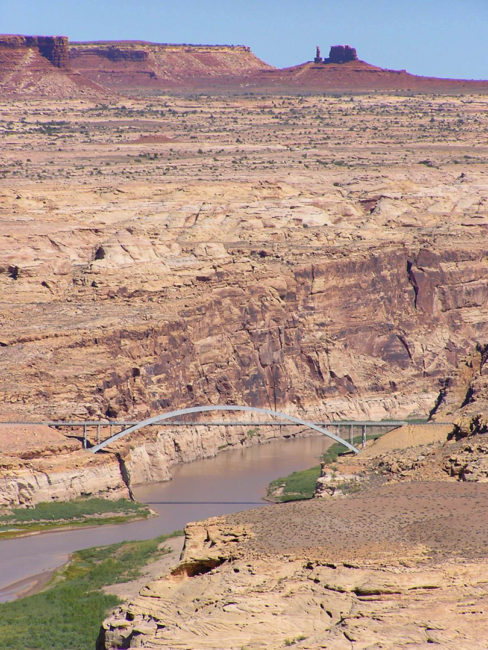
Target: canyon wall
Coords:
[(186, 256), (62, 471)]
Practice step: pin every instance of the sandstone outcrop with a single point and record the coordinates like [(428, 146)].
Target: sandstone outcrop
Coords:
[(426, 452), (464, 395), (359, 572), (129, 66), (54, 48)]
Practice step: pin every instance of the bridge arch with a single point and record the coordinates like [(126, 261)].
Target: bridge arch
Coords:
[(204, 409)]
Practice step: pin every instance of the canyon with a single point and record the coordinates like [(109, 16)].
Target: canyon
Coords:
[(319, 254), (339, 275), (178, 253)]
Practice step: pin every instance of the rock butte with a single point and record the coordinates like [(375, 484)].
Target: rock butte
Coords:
[(140, 67)]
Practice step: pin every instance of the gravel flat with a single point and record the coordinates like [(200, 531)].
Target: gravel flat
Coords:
[(446, 519)]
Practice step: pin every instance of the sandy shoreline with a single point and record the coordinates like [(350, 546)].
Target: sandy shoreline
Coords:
[(30, 585)]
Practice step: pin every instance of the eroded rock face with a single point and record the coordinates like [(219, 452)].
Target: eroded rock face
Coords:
[(342, 291), (397, 457), (54, 48), (130, 65), (278, 576), (39, 66)]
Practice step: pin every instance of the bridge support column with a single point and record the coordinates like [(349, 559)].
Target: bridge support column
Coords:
[(364, 436), (351, 434), (84, 436)]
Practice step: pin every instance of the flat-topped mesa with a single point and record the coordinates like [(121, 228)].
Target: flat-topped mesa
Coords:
[(124, 66), (337, 54), (140, 50), (53, 48)]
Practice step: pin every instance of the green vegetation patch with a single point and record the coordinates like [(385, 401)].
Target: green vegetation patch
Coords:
[(301, 485), (68, 614), (81, 512), (294, 487)]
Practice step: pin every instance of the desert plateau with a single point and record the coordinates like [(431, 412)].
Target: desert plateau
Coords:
[(189, 226)]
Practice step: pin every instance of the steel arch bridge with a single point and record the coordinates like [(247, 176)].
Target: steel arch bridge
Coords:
[(205, 409)]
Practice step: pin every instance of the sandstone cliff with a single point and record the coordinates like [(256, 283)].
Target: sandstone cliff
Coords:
[(53, 48), (182, 320), (394, 568), (39, 66)]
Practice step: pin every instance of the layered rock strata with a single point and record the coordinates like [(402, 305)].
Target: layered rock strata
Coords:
[(343, 290), (54, 48), (395, 567), (131, 65), (39, 66)]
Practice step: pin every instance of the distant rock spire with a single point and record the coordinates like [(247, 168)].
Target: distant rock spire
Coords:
[(342, 54), (318, 58)]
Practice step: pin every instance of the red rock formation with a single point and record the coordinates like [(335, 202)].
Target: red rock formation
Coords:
[(39, 66), (27, 64), (53, 48), (113, 53), (128, 65), (341, 54)]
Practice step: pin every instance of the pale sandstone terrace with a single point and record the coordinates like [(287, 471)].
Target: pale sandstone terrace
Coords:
[(358, 572)]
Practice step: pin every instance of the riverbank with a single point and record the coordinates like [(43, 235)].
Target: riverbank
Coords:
[(68, 611), (57, 515), (301, 485), (233, 480), (56, 468)]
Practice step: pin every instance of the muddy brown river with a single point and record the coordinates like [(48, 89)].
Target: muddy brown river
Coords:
[(234, 480)]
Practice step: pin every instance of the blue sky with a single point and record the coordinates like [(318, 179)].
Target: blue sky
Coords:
[(445, 38)]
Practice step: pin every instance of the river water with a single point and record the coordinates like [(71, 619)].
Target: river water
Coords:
[(234, 480)]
